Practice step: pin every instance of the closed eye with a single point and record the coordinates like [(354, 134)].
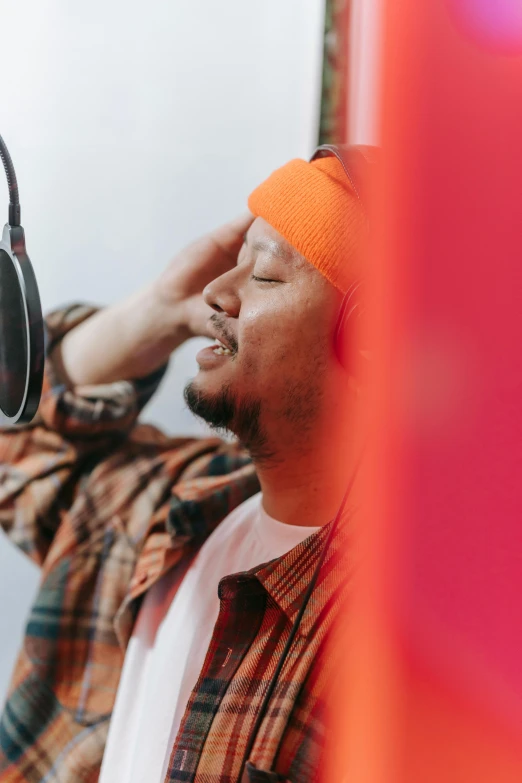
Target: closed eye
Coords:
[(264, 279)]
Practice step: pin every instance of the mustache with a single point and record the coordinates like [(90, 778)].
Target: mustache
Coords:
[(219, 325)]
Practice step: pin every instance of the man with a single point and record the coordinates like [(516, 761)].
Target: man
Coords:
[(169, 582)]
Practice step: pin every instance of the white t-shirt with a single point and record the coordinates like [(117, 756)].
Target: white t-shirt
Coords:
[(172, 633)]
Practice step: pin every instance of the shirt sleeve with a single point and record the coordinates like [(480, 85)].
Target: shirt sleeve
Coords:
[(88, 411), (41, 462)]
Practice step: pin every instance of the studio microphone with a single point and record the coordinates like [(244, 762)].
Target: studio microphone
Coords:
[(22, 348)]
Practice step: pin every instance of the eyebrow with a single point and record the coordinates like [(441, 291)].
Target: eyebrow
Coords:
[(274, 248)]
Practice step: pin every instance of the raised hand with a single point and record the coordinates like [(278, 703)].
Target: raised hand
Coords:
[(182, 283), (136, 336)]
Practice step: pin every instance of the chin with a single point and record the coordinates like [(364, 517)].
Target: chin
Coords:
[(227, 412), (216, 407)]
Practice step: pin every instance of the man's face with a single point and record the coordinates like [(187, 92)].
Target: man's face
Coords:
[(276, 315)]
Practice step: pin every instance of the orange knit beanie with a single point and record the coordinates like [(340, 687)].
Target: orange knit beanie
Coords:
[(314, 207)]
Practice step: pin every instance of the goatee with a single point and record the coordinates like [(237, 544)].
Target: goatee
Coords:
[(226, 414)]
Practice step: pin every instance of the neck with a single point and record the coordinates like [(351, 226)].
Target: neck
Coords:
[(305, 482)]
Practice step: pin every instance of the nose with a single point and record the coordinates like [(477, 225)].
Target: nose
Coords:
[(222, 294)]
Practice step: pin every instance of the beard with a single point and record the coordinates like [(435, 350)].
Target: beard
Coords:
[(224, 413)]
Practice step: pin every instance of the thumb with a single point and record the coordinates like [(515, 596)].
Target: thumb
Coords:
[(230, 236), (197, 315)]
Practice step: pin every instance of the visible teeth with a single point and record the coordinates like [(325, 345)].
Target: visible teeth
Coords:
[(221, 349)]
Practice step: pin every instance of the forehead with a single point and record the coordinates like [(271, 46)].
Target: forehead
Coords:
[(261, 237)]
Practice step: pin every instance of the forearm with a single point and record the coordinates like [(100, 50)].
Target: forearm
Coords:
[(129, 339)]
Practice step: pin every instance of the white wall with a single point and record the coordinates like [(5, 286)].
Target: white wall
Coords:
[(134, 127)]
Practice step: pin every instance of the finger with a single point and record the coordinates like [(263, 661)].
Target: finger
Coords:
[(198, 315), (230, 236)]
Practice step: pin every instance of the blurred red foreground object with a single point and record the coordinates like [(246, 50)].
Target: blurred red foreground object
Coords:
[(434, 665)]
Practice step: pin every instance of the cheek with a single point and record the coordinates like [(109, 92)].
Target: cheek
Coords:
[(279, 344), (265, 338)]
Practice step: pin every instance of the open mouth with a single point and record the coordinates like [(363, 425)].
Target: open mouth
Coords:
[(221, 349)]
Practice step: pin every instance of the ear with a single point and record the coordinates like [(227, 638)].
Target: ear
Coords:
[(349, 341)]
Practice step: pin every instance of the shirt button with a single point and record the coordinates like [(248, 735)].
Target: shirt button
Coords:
[(227, 657)]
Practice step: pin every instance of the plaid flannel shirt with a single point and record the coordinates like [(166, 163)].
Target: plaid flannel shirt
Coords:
[(106, 506)]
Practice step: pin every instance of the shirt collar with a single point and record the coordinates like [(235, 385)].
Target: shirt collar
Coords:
[(287, 578), (201, 503)]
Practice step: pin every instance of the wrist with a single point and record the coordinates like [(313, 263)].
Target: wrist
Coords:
[(164, 317), (151, 329), (127, 340)]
